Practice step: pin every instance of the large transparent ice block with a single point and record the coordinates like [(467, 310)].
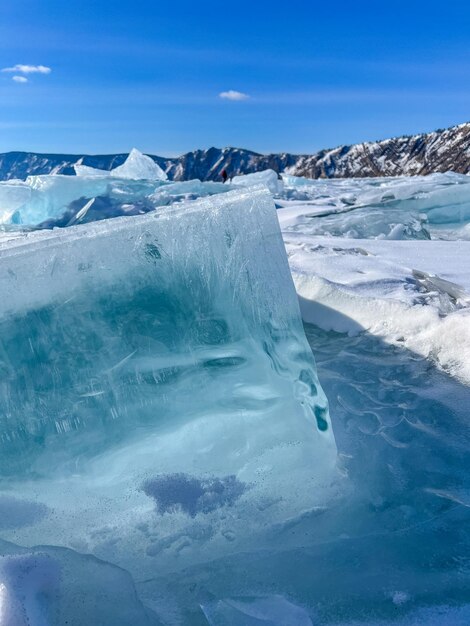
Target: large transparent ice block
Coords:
[(157, 384)]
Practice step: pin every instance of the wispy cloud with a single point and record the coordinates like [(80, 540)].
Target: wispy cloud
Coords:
[(28, 69), (233, 95), (19, 79)]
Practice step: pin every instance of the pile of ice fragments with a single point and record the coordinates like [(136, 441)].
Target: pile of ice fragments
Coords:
[(434, 206)]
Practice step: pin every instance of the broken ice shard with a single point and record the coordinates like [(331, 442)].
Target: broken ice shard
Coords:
[(154, 353)]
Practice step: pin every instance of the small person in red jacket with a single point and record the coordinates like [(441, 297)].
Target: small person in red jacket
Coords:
[(224, 175)]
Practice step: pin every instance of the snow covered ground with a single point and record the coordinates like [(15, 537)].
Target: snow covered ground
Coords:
[(388, 256), (413, 292)]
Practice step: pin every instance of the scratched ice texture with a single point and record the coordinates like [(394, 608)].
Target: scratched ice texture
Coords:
[(159, 402)]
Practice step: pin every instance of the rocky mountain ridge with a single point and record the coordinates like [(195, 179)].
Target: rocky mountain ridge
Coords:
[(438, 151)]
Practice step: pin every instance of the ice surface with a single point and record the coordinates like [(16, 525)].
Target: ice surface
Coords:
[(27, 581), (271, 611), (391, 550), (48, 586), (159, 408), (158, 389)]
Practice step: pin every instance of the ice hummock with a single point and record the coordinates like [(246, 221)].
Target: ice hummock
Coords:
[(266, 177), (137, 166), (158, 389), (50, 201), (420, 207), (430, 207)]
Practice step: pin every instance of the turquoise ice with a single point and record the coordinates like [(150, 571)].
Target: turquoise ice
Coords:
[(159, 404)]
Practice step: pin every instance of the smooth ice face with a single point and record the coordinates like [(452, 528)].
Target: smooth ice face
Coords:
[(13, 195), (157, 388), (266, 177), (51, 195)]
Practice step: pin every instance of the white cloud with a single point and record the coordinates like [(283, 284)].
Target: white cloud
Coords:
[(233, 95), (28, 69), (19, 79)]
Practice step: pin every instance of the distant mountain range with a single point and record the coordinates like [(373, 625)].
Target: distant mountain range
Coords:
[(439, 151)]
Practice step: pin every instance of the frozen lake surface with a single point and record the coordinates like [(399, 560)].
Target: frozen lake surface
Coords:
[(167, 455)]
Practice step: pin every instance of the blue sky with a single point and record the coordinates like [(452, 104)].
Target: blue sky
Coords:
[(148, 73)]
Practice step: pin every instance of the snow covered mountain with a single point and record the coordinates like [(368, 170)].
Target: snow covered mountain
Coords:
[(438, 151)]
